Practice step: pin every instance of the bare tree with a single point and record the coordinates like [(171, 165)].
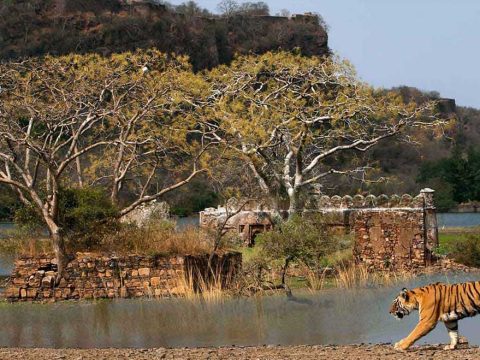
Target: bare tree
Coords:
[(290, 117), (121, 122), (228, 7), (284, 13)]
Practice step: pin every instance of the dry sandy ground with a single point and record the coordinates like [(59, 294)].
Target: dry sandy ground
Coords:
[(292, 352)]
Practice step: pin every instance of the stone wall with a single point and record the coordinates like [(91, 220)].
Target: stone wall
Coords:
[(390, 232), (93, 276), (389, 240)]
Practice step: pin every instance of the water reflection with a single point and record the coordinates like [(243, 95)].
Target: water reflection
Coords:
[(331, 317)]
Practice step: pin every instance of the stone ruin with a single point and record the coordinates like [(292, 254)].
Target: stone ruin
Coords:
[(104, 276), (390, 232), (253, 219), (148, 212)]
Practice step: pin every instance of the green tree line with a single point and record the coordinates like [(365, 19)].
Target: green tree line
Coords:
[(456, 178)]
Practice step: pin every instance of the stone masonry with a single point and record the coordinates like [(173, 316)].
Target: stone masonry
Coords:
[(390, 232), (95, 276)]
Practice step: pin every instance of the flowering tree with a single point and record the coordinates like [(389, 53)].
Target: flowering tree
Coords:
[(123, 122), (288, 117)]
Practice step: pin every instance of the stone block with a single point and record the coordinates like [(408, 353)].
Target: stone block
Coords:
[(48, 281), (23, 293), (155, 281), (144, 271)]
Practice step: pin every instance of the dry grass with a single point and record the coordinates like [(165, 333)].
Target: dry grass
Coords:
[(315, 280), (159, 238), (199, 287), (19, 243), (358, 276)]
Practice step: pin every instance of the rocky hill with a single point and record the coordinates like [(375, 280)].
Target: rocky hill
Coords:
[(37, 27)]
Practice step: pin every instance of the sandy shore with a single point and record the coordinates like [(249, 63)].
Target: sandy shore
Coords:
[(269, 352)]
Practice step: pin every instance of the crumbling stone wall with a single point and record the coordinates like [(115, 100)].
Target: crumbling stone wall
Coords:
[(253, 219), (94, 276), (390, 232), (389, 240)]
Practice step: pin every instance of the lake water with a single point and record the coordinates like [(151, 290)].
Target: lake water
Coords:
[(328, 317), (446, 220), (6, 261)]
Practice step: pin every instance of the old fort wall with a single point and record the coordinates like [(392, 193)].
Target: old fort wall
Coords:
[(390, 232), (97, 276)]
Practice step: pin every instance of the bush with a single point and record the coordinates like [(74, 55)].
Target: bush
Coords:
[(466, 251), (300, 239), (85, 215), (8, 204)]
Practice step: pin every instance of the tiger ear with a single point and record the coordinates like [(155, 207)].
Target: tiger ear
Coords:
[(403, 293)]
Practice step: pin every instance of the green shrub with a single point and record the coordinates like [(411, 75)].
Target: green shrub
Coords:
[(85, 215), (304, 240), (466, 251)]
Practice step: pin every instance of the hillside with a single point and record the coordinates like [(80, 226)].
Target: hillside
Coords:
[(36, 27)]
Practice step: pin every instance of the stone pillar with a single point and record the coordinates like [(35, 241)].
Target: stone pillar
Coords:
[(430, 224)]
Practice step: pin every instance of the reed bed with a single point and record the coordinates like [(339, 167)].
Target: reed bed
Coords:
[(358, 276)]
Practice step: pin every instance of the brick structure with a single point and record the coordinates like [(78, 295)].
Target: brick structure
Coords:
[(94, 276), (390, 232)]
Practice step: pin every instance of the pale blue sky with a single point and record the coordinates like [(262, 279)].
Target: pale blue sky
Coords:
[(429, 44)]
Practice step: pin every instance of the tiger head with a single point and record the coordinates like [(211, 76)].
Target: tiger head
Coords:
[(403, 304)]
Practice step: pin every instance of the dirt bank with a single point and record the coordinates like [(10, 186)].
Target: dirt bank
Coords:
[(269, 352)]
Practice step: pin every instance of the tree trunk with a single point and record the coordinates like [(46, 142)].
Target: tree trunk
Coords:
[(284, 270), (60, 255), (293, 199), (59, 249)]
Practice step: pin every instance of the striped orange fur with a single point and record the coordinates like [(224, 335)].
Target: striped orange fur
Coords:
[(446, 303)]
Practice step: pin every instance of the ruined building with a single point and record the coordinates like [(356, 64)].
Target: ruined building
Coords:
[(389, 232)]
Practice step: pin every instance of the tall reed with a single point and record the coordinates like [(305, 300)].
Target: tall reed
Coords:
[(358, 276)]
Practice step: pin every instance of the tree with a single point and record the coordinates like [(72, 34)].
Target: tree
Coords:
[(254, 8), (191, 8), (290, 118), (120, 122), (227, 7), (458, 175), (299, 239), (284, 13)]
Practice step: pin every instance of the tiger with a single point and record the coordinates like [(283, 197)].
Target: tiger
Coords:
[(447, 303)]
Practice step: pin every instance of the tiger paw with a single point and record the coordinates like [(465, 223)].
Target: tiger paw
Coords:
[(400, 346), (450, 347), (462, 340)]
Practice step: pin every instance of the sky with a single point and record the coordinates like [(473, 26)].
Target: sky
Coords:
[(428, 44)]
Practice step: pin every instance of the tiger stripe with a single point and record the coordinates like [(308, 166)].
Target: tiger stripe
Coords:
[(438, 302)]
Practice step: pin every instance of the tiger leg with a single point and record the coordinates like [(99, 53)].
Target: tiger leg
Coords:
[(452, 327), (422, 329)]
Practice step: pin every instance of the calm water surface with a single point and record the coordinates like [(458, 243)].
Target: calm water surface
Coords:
[(6, 261), (446, 220), (328, 317)]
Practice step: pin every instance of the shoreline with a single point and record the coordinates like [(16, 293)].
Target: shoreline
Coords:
[(331, 352)]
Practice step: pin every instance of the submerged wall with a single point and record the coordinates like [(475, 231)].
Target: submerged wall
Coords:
[(93, 276)]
